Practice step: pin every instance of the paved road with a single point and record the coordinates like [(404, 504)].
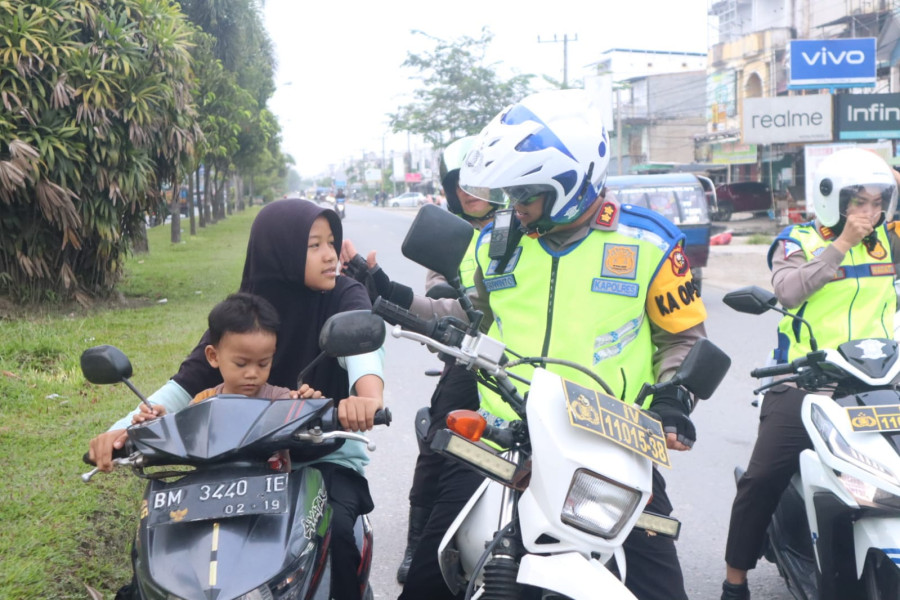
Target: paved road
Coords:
[(700, 483)]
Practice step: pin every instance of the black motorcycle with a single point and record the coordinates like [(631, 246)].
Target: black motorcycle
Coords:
[(224, 515)]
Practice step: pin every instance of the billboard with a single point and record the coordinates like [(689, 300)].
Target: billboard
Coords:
[(843, 62), (786, 119), (721, 98), (867, 116)]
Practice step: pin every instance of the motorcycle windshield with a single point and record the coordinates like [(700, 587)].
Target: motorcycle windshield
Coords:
[(224, 426)]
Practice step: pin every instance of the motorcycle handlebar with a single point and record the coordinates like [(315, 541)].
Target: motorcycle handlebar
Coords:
[(330, 422), (783, 369), (446, 330), (397, 315)]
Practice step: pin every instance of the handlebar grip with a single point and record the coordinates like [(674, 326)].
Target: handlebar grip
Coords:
[(783, 369), (116, 453), (397, 315), (383, 416)]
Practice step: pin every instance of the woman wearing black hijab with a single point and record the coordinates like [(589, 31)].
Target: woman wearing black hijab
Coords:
[(292, 262)]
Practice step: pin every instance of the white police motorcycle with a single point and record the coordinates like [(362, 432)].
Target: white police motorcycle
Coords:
[(836, 532)]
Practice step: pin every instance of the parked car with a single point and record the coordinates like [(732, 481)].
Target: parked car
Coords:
[(743, 196), (679, 197), (407, 199)]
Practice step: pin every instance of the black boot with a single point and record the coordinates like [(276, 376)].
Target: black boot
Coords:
[(735, 591), (418, 516)]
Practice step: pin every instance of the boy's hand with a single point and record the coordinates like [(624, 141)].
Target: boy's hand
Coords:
[(357, 413), (146, 414), (102, 446), (305, 392)]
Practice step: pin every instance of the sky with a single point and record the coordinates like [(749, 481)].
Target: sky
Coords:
[(339, 62)]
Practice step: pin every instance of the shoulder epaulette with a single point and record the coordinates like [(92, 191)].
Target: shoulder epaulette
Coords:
[(642, 218)]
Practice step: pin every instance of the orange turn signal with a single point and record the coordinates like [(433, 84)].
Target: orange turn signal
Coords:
[(467, 423)]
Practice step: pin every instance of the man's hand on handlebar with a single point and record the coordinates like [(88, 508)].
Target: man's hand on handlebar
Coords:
[(357, 413), (102, 446)]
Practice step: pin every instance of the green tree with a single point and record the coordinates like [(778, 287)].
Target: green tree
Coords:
[(97, 115), (459, 94)]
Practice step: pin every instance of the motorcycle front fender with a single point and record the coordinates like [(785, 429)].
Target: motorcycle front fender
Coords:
[(572, 575)]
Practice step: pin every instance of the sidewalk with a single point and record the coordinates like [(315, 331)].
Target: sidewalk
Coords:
[(737, 264), (740, 264)]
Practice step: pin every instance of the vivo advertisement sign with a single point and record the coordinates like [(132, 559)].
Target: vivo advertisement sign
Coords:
[(832, 63)]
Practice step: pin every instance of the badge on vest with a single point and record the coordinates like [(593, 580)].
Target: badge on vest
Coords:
[(620, 261), (617, 288), (500, 283), (877, 251), (513, 261)]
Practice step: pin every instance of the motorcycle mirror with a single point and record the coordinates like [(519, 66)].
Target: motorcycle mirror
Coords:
[(352, 332), (752, 300), (437, 240), (703, 369), (105, 364)]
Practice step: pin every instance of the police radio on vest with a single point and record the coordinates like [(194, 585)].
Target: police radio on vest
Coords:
[(824, 57)]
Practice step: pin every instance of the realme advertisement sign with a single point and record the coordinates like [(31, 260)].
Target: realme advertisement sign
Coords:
[(843, 62), (786, 119), (867, 116)]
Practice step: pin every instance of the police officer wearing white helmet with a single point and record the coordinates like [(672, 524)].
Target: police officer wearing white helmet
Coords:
[(586, 279), (838, 272)]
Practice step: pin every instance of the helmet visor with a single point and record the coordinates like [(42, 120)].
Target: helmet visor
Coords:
[(526, 194), (873, 197), (495, 196)]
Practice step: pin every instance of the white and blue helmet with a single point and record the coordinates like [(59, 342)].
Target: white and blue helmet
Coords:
[(550, 142)]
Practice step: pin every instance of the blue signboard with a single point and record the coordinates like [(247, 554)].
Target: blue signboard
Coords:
[(846, 62)]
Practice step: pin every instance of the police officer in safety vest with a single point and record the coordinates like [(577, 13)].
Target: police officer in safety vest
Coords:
[(589, 280), (837, 273)]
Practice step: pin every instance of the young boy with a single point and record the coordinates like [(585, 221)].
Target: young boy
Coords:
[(243, 330)]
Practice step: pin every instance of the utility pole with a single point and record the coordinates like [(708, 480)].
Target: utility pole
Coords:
[(565, 42)]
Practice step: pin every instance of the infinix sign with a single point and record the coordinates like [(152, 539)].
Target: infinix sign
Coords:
[(848, 62), (786, 119), (867, 116)]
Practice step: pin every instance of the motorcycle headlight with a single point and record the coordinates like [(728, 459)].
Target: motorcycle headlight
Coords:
[(598, 505), (843, 450)]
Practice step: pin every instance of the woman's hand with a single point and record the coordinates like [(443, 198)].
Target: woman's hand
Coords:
[(305, 392), (146, 414), (357, 413)]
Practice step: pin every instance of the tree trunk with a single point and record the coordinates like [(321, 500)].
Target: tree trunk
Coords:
[(201, 201), (210, 214), (176, 209), (191, 199)]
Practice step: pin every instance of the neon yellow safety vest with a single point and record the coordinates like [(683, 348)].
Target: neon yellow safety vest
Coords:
[(585, 304), (469, 264), (859, 302)]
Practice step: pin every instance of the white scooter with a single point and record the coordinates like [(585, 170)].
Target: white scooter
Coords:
[(577, 475), (836, 532)]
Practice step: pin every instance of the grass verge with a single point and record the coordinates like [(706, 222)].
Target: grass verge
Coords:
[(56, 533)]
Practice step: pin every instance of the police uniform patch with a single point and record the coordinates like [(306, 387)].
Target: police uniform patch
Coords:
[(607, 215), (878, 270), (877, 252), (680, 264), (818, 251), (620, 260), (791, 248), (617, 288), (500, 283), (513, 261)]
